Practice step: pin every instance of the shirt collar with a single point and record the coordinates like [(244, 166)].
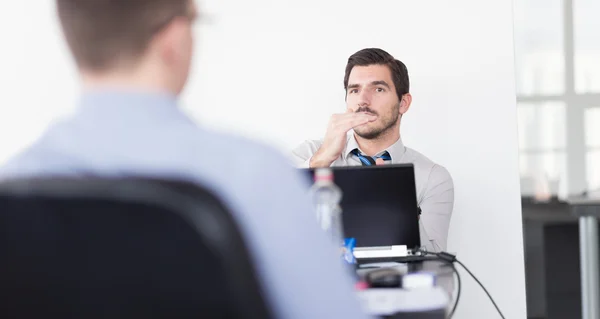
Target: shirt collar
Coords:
[(395, 150), (127, 101)]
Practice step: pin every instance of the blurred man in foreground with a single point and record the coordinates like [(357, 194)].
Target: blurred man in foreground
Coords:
[(134, 58)]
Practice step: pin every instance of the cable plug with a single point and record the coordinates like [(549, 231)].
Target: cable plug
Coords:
[(447, 257)]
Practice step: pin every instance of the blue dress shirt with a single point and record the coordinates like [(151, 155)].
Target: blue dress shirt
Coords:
[(121, 133)]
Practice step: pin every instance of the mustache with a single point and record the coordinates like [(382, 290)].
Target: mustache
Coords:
[(365, 110)]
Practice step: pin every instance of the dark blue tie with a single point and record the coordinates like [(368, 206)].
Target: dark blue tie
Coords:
[(368, 160)]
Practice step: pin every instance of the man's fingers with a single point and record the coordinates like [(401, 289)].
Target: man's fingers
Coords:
[(353, 120), (359, 115), (379, 161), (343, 117)]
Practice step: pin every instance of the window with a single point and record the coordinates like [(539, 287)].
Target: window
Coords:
[(593, 165), (587, 45), (538, 47), (543, 126), (592, 128), (542, 146), (558, 92), (592, 143)]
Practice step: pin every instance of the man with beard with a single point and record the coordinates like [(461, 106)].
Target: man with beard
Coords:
[(377, 95)]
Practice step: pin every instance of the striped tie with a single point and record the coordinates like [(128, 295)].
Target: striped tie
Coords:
[(368, 160)]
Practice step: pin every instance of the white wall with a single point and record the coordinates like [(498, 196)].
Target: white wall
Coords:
[(273, 70), (37, 78)]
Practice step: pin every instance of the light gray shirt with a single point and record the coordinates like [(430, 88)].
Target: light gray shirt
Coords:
[(131, 133), (435, 189)]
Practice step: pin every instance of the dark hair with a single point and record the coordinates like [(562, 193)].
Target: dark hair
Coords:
[(370, 56), (101, 33)]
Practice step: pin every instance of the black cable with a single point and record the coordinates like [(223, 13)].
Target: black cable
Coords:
[(482, 287), (454, 271), (451, 259), (457, 293)]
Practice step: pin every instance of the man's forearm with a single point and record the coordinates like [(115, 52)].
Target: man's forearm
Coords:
[(318, 160)]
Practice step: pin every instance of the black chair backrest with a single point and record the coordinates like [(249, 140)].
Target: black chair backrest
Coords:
[(122, 248)]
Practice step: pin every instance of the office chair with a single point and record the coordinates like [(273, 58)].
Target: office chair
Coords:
[(122, 248)]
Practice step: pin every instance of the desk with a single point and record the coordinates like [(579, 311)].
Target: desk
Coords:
[(553, 238), (551, 241), (426, 303)]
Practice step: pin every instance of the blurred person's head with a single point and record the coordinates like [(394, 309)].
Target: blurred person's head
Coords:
[(377, 83), (138, 43)]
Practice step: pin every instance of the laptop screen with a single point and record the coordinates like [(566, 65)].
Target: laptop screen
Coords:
[(379, 204)]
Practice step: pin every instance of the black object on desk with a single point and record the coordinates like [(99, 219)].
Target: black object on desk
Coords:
[(384, 278), (411, 259)]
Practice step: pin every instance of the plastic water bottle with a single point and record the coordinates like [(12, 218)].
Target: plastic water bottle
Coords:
[(326, 198)]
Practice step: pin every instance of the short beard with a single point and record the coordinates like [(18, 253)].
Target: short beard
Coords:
[(376, 133)]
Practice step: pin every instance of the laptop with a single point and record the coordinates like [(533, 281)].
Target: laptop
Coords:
[(379, 209)]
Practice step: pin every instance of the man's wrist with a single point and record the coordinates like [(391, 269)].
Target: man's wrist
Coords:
[(318, 161)]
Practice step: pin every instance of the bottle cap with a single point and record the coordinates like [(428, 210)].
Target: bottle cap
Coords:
[(323, 174)]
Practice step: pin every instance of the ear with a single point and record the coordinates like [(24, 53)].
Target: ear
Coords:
[(168, 41), (405, 103)]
